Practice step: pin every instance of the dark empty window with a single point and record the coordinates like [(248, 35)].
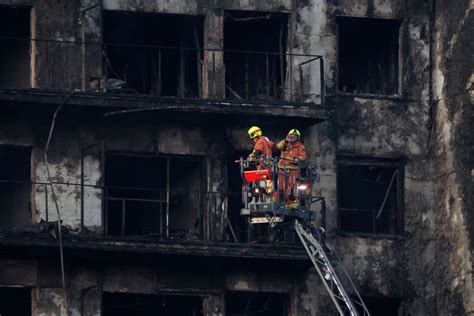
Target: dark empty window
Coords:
[(14, 47), (15, 301), (125, 304), (15, 189), (255, 62), (153, 195), (381, 306), (153, 53), (368, 55), (370, 196), (258, 304)]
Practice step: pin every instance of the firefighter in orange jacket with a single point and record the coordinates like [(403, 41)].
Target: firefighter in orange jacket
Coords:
[(293, 153), (262, 150)]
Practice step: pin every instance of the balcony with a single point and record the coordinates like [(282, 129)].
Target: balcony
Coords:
[(170, 73), (104, 220)]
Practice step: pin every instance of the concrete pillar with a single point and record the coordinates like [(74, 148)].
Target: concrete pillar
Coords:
[(213, 68), (214, 305)]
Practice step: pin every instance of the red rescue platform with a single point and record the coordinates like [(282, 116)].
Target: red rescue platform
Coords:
[(257, 175)]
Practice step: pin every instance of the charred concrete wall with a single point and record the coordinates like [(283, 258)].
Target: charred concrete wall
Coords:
[(429, 265), (91, 136), (87, 283), (452, 154), (436, 185)]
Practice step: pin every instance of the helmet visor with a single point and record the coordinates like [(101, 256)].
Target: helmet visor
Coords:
[(255, 133), (293, 137)]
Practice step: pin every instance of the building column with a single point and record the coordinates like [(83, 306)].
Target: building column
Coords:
[(213, 68), (214, 305)]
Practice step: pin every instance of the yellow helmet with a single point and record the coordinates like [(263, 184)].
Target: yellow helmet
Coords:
[(294, 131), (254, 131)]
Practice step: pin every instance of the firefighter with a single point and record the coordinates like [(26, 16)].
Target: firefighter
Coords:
[(293, 154), (262, 150)]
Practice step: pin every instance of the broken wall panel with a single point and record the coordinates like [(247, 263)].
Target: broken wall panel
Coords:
[(50, 301), (66, 180)]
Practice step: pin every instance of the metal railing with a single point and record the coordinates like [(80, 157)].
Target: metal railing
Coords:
[(157, 213), (176, 72)]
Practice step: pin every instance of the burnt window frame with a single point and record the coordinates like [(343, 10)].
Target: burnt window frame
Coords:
[(399, 165), (155, 86), (399, 95), (29, 47), (248, 49), (165, 193), (25, 154)]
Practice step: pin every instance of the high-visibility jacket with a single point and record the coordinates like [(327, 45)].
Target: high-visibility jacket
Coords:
[(263, 146), (291, 151)]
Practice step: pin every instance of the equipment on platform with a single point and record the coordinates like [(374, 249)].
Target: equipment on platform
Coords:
[(324, 260), (264, 203), (261, 195)]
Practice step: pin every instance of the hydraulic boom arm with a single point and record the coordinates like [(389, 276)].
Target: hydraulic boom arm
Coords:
[(344, 303)]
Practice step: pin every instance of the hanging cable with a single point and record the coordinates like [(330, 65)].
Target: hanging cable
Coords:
[(53, 192)]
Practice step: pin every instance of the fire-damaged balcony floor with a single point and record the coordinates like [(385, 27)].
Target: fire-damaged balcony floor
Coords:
[(142, 249), (113, 104)]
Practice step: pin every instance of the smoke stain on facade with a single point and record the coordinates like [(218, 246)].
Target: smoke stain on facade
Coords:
[(152, 100)]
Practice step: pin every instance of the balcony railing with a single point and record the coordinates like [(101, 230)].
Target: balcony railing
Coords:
[(163, 214), (175, 72)]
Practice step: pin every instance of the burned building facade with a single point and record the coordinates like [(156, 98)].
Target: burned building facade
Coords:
[(123, 120)]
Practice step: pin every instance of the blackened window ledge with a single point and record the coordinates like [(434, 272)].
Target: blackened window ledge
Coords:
[(400, 237), (392, 97)]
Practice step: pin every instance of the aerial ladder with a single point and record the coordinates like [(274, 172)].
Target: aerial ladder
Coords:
[(263, 202)]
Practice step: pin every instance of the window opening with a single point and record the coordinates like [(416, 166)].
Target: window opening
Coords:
[(15, 187), (258, 73), (124, 304), (368, 55), (370, 197), (382, 305), (15, 301), (150, 53), (14, 50), (153, 195), (258, 304)]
